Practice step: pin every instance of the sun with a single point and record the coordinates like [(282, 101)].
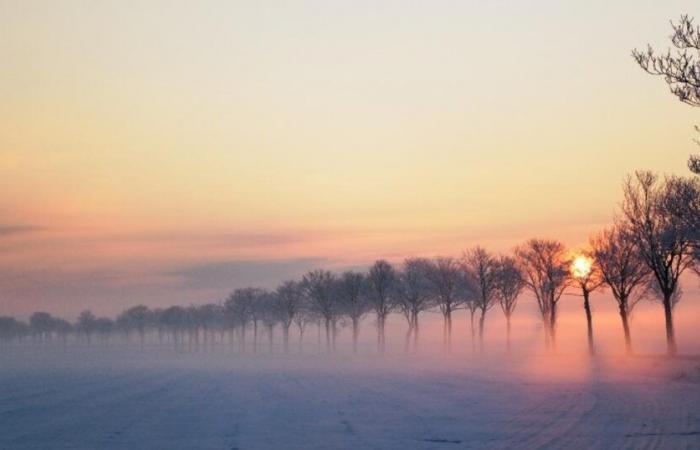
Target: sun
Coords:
[(581, 266)]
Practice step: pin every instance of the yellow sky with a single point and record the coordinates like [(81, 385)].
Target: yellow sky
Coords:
[(145, 137)]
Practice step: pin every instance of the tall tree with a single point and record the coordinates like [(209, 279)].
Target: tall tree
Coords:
[(320, 286), (86, 324), (545, 268), (481, 267), (509, 284), (290, 296), (446, 281), (136, 318), (680, 201), (623, 269), (241, 306), (380, 285), (663, 241), (354, 301), (585, 273), (414, 296)]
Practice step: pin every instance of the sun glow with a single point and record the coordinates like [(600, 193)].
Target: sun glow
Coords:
[(581, 266)]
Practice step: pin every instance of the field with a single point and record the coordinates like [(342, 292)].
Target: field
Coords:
[(96, 398)]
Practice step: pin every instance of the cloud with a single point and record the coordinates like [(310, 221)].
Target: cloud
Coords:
[(108, 290), (14, 229), (239, 273)]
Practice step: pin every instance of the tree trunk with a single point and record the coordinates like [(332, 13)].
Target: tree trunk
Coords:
[(415, 332), (472, 328), (626, 328), (553, 328), (286, 337), (242, 339), (508, 332), (255, 336), (318, 342), (355, 333), (328, 335), (448, 331), (589, 320), (334, 335), (671, 349), (481, 330), (409, 333), (270, 339)]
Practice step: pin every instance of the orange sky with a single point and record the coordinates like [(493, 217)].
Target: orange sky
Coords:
[(170, 152)]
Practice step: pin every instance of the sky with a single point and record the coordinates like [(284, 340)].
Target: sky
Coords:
[(169, 152)]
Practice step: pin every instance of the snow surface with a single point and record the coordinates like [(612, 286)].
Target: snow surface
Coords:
[(106, 399)]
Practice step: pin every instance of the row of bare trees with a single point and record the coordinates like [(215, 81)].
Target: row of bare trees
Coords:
[(652, 242)]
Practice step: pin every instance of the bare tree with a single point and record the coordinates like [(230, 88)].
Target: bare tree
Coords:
[(137, 318), (241, 307), (86, 324), (623, 269), (446, 280), (302, 319), (270, 312), (380, 285), (320, 290), (354, 303), (680, 69), (585, 273), (509, 284), (290, 296), (41, 323), (481, 267), (680, 201), (663, 241), (414, 295), (545, 268)]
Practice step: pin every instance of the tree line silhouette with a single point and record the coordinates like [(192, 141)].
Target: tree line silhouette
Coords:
[(652, 242)]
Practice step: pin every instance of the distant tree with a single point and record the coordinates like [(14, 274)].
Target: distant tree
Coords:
[(290, 296), (446, 282), (380, 292), (137, 318), (623, 269), (62, 328), (482, 268), (240, 308), (663, 241), (209, 318), (354, 303), (174, 320), (302, 320), (680, 69), (509, 284), (414, 294), (104, 327), (545, 268), (271, 312), (86, 324), (12, 329), (319, 286), (585, 273), (42, 325)]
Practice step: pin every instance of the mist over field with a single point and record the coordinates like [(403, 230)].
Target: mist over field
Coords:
[(114, 394)]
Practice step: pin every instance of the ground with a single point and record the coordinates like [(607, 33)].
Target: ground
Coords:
[(126, 399)]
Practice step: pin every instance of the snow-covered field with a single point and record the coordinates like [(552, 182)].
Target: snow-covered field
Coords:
[(95, 399)]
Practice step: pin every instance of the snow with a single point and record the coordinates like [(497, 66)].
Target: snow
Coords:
[(115, 398)]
